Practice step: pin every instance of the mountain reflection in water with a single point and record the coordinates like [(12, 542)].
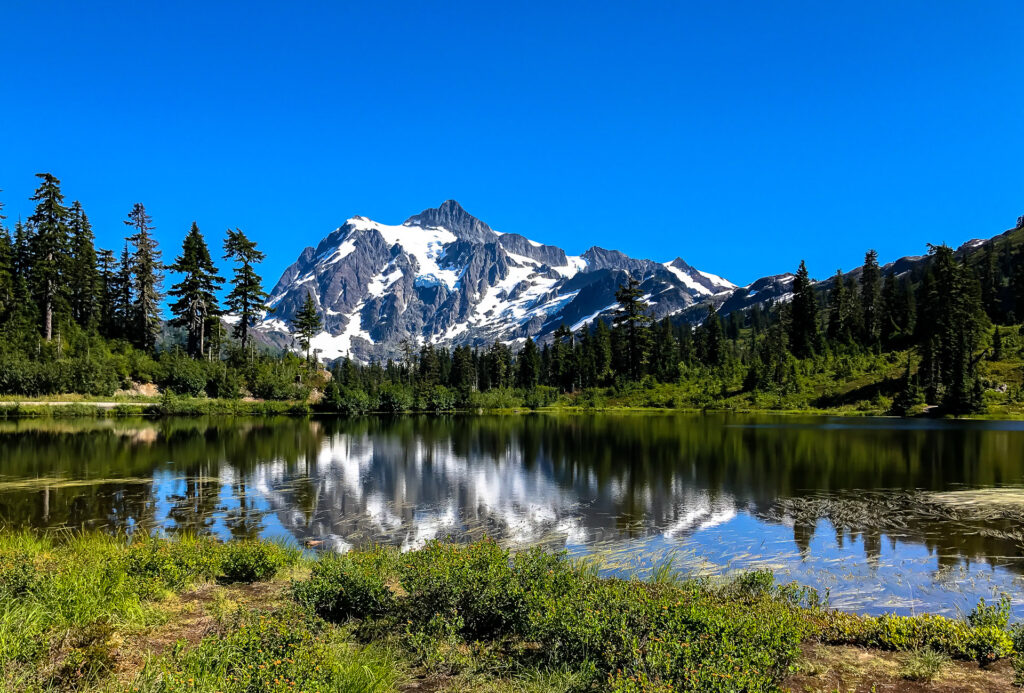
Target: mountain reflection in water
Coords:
[(885, 514)]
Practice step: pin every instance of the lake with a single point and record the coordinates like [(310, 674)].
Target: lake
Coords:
[(884, 514)]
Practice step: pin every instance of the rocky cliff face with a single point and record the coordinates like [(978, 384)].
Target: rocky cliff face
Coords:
[(445, 276)]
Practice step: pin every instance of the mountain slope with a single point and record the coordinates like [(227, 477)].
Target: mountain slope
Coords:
[(445, 276)]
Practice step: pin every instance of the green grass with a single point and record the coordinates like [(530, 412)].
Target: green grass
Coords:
[(64, 595), (467, 617)]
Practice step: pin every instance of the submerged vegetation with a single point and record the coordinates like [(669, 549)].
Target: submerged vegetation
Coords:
[(94, 612)]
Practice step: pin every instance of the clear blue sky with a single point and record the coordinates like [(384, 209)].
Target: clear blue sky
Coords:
[(742, 136)]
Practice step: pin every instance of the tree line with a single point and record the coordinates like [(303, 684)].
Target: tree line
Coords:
[(939, 315), (74, 317), (77, 318)]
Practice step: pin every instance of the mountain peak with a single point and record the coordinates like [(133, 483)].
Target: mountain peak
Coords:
[(452, 216)]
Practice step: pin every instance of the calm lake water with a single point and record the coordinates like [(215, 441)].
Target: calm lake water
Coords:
[(886, 515)]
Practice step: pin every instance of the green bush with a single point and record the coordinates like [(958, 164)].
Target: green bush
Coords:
[(957, 639), (158, 565), (279, 651), (437, 399), (473, 587), (254, 561), (342, 586), (394, 399)]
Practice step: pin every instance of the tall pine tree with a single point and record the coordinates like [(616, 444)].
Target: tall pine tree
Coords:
[(307, 323), (870, 297), (804, 338), (106, 265), (49, 250), (246, 299), (147, 271), (632, 322), (83, 274), (196, 294)]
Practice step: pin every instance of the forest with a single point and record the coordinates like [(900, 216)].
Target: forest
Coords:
[(942, 337)]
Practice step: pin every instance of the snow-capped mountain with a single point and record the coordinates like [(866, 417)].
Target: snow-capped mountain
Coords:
[(444, 276)]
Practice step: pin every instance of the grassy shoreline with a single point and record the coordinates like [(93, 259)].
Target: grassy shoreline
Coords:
[(57, 407), (92, 612)]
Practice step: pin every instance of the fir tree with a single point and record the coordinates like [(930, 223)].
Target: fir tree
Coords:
[(49, 250), (106, 265), (1018, 285), (712, 339), (307, 323), (666, 352), (123, 295), (246, 299), (528, 365), (602, 348), (632, 320), (990, 279), (804, 339), (839, 310), (196, 305), (870, 297), (890, 327), (6, 267), (950, 331), (83, 275), (147, 273)]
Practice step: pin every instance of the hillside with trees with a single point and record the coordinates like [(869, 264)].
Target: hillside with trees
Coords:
[(941, 336)]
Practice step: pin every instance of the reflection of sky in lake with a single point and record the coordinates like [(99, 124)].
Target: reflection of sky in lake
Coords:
[(632, 492)]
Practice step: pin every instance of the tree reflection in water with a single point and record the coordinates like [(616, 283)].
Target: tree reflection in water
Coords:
[(860, 506)]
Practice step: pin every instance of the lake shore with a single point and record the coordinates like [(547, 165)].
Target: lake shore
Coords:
[(72, 406), (96, 612)]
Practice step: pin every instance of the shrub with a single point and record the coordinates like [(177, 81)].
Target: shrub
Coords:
[(254, 561), (158, 565), (437, 398), (279, 651), (955, 638), (182, 375), (342, 586), (394, 399), (923, 665)]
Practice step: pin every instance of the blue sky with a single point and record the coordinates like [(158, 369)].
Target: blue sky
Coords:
[(742, 136)]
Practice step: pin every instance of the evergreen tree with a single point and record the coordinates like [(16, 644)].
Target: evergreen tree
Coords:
[(1018, 285), (990, 279), (196, 306), (950, 331), (121, 290), (997, 345), (147, 273), (632, 321), (499, 365), (307, 323), (602, 350), (712, 339), (463, 373), (528, 365), (83, 275), (49, 250), (804, 339), (6, 267), (666, 353), (870, 297), (890, 327), (107, 294), (840, 318), (246, 299)]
